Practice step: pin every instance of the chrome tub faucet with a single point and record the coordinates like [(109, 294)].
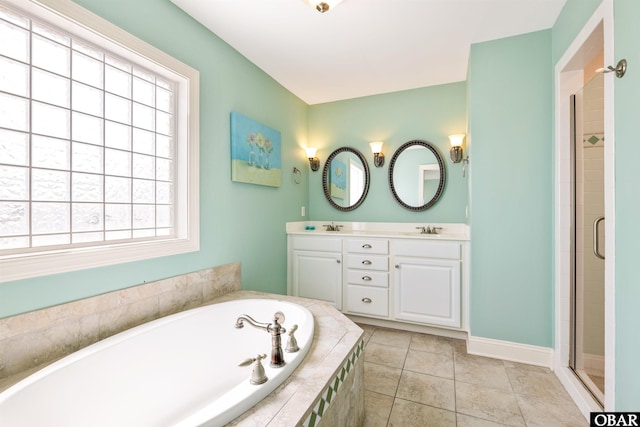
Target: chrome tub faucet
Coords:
[(277, 357)]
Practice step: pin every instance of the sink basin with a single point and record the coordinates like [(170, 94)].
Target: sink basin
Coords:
[(418, 234)]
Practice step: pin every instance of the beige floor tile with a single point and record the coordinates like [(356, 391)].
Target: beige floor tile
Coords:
[(488, 403), (437, 364), (539, 383), (411, 414), (431, 377), (543, 412), (368, 331), (459, 346), (469, 421), (381, 379), (481, 370), (427, 390), (377, 408), (400, 339), (432, 343), (385, 354)]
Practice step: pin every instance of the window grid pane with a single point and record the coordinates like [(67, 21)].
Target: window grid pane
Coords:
[(96, 161)]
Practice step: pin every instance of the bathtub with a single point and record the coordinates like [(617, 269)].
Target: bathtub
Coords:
[(181, 370)]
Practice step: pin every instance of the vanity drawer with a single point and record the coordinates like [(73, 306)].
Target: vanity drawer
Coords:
[(427, 249), (367, 300), (322, 244), (368, 278), (368, 262), (368, 246)]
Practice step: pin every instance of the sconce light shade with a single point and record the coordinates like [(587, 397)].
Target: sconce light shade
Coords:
[(456, 151), (378, 157), (322, 6), (314, 162)]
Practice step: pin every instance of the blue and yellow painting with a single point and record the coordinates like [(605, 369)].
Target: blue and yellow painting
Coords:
[(255, 152), (338, 179)]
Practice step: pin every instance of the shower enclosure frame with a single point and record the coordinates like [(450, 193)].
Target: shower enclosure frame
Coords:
[(596, 35)]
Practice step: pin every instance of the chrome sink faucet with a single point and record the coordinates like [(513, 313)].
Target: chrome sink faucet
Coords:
[(332, 227), (429, 230), (277, 357)]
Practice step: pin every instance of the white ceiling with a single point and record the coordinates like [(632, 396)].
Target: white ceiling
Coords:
[(366, 47)]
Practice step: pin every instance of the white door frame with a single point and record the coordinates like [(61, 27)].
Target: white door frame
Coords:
[(568, 74)]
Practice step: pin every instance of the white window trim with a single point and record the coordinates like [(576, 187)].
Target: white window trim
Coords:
[(80, 22)]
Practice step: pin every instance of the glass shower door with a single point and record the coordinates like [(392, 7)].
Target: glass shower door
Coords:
[(587, 355)]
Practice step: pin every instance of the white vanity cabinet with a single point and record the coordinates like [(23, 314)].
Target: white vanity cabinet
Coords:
[(367, 277), (316, 268), (385, 276), (427, 285)]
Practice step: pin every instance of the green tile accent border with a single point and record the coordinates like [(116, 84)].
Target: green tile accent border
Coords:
[(593, 140), (332, 389)]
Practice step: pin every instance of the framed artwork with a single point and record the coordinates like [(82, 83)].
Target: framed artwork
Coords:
[(255, 152), (338, 179)]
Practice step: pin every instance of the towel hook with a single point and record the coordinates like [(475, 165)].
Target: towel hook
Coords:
[(620, 69)]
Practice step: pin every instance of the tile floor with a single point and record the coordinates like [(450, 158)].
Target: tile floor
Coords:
[(414, 379)]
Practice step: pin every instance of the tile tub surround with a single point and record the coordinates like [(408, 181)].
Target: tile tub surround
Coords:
[(334, 366), (327, 388), (32, 340)]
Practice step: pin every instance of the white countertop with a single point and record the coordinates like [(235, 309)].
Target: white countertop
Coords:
[(404, 230)]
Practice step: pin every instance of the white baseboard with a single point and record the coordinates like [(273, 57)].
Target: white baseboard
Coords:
[(515, 352)]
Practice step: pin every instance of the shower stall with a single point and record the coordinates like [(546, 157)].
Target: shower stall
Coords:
[(587, 356)]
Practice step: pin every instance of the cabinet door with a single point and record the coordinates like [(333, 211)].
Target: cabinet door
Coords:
[(427, 291), (318, 275)]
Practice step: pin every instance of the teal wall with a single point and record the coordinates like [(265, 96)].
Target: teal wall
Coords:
[(510, 98), (574, 15), (627, 149), (429, 114), (239, 222)]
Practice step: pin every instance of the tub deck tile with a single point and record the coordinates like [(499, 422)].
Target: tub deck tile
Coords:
[(315, 382)]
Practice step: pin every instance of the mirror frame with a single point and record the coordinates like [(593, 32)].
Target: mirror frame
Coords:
[(440, 189), (325, 174)]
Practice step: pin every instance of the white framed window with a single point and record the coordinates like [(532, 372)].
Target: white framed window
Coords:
[(99, 143)]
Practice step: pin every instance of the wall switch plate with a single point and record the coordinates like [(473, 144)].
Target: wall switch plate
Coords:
[(303, 211)]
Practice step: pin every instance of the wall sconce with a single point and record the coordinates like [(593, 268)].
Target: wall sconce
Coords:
[(314, 162), (378, 157), (456, 147)]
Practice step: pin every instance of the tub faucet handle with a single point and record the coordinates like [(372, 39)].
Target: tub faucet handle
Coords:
[(258, 376), (292, 343)]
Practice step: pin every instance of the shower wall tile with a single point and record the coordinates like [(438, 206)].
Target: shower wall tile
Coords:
[(30, 340)]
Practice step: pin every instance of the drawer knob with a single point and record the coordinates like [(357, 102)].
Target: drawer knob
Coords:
[(366, 246), (366, 300), (397, 265), (366, 262), (338, 261), (366, 278)]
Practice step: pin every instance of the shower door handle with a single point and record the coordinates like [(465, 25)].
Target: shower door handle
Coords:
[(596, 236)]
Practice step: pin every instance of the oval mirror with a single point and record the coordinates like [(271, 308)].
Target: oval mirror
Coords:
[(345, 179), (416, 175)]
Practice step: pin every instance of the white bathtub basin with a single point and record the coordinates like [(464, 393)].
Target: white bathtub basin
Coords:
[(180, 370)]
